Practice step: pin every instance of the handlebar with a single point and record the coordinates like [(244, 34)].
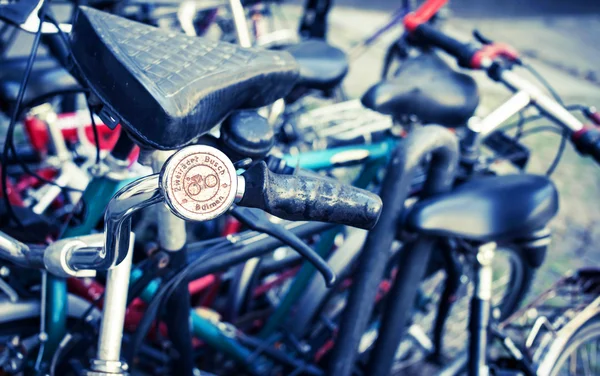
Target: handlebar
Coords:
[(199, 183), (309, 198), (422, 15), (586, 139), (429, 35)]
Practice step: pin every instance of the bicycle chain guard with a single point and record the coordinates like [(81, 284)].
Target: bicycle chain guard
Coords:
[(199, 183)]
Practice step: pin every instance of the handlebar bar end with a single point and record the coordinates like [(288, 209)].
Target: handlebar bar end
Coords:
[(587, 142)]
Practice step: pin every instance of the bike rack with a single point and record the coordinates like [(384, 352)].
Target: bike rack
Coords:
[(544, 325)]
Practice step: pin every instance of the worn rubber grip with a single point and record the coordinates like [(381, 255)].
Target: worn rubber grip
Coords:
[(429, 35), (307, 198), (587, 142)]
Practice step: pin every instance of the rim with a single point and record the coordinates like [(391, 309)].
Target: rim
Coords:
[(582, 356)]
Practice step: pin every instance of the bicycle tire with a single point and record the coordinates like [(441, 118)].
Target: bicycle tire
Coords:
[(520, 285), (520, 280), (589, 330)]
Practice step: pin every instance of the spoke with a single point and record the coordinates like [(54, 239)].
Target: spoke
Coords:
[(573, 364), (595, 357), (585, 359)]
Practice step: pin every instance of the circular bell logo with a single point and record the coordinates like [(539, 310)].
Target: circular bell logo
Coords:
[(200, 183)]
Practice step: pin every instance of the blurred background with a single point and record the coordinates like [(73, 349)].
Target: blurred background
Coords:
[(561, 39), (478, 8)]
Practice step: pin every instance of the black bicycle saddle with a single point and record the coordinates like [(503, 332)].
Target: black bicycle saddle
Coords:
[(426, 87), (47, 77), (322, 66), (165, 88), (488, 209)]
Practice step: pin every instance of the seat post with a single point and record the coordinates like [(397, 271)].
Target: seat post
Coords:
[(480, 311), (172, 238)]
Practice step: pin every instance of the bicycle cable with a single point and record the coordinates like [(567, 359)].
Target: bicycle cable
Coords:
[(565, 133), (9, 146), (166, 289), (65, 39), (13, 119)]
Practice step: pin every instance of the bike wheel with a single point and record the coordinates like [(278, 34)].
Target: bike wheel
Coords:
[(513, 277), (581, 353)]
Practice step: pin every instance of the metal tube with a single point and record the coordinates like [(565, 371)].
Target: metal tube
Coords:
[(442, 145), (18, 253), (117, 226), (117, 222), (172, 238), (240, 22), (108, 357), (57, 138), (480, 311), (413, 264), (171, 228), (496, 118), (55, 308), (52, 192), (545, 103)]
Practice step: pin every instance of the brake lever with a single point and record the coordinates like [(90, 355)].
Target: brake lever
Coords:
[(257, 220), (481, 38)]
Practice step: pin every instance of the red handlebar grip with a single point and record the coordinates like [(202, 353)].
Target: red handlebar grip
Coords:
[(492, 51), (427, 10), (593, 115)]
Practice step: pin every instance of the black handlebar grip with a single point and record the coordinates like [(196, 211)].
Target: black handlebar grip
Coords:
[(307, 198), (429, 35), (587, 142)]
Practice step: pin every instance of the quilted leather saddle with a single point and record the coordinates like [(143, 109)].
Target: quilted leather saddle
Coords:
[(167, 89)]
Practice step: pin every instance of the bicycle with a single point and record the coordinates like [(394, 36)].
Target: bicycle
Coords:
[(434, 217), (116, 218)]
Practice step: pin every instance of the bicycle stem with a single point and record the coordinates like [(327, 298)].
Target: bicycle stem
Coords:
[(525, 94)]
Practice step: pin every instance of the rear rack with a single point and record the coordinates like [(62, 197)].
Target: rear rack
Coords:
[(550, 319), (341, 121)]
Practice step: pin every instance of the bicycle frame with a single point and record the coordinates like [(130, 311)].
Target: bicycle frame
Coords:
[(96, 196)]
